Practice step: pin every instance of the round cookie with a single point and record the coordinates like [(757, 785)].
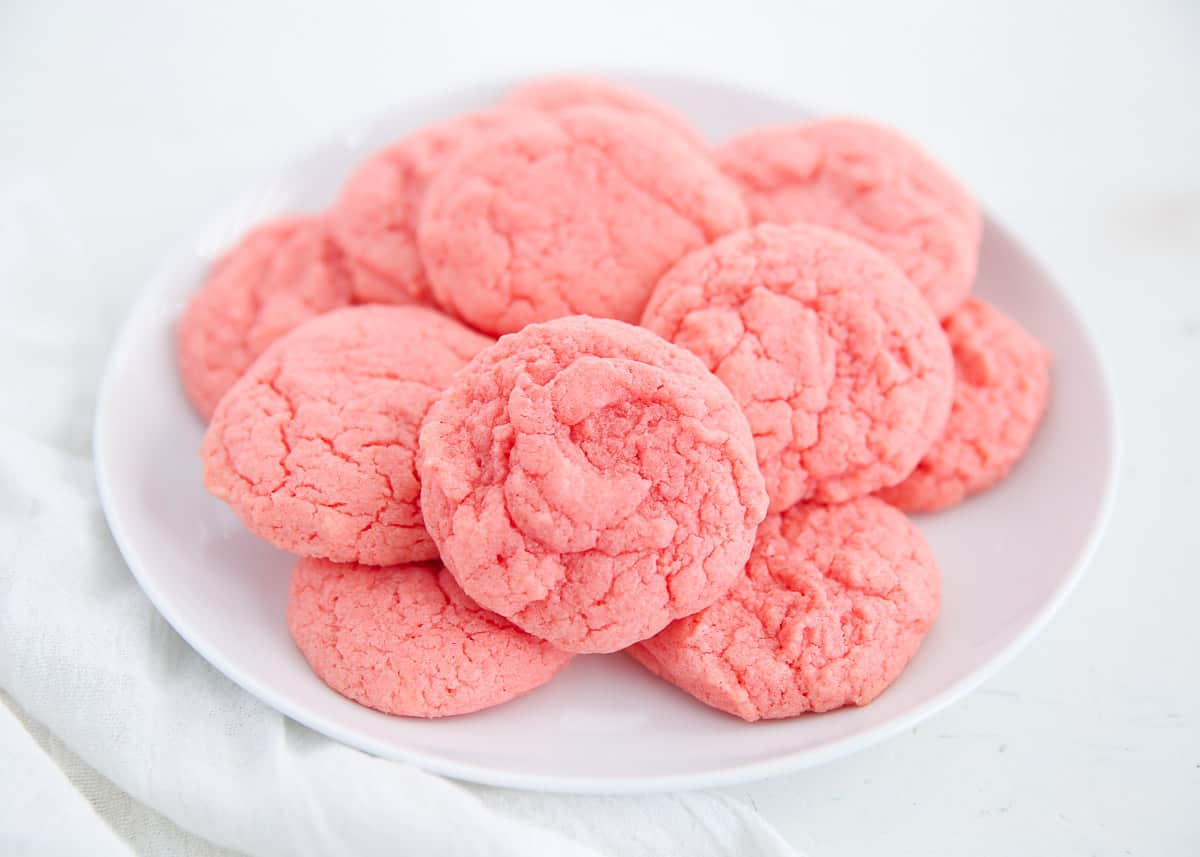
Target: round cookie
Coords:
[(406, 640), (839, 365), (589, 481), (868, 182), (580, 211), (278, 276), (375, 216), (1000, 395), (834, 603), (314, 447), (556, 93)]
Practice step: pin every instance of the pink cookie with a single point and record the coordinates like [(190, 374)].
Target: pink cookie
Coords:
[(279, 276), (840, 366), (406, 640), (999, 399), (590, 481), (868, 182), (375, 216), (556, 93), (580, 211), (834, 603), (314, 447)]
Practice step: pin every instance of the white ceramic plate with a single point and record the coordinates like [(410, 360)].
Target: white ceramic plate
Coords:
[(1008, 557)]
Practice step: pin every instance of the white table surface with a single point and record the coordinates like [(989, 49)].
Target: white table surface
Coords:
[(1078, 124)]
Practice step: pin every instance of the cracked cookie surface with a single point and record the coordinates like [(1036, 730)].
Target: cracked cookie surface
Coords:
[(833, 605), (314, 447), (1000, 395), (869, 182), (839, 365), (375, 216), (590, 481), (406, 640), (278, 276), (579, 211)]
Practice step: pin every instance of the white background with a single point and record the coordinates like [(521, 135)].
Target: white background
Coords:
[(1078, 125)]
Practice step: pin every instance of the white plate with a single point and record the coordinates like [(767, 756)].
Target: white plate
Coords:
[(1008, 557)]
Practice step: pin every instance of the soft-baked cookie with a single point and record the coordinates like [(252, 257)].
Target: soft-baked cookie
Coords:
[(833, 605), (590, 481), (406, 640), (375, 216), (314, 447), (868, 182), (1000, 394), (839, 365), (278, 276), (579, 211)]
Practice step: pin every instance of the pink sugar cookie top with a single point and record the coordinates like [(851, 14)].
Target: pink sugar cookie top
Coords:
[(406, 640), (839, 365), (1000, 395), (869, 182), (590, 481), (280, 275), (834, 603), (314, 447), (580, 211), (375, 216), (556, 93)]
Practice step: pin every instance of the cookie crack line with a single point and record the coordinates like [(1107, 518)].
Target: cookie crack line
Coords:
[(843, 431), (314, 448)]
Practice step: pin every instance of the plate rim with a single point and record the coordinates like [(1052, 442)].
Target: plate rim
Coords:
[(484, 774)]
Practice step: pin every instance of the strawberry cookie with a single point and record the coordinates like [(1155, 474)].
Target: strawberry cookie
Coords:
[(1000, 396), (868, 182), (834, 604), (839, 365), (406, 640), (279, 276), (591, 482), (314, 447), (579, 211), (375, 216)]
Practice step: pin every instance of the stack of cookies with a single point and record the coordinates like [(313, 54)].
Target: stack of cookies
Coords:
[(560, 377)]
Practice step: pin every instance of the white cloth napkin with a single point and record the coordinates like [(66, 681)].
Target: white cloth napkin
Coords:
[(132, 743)]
